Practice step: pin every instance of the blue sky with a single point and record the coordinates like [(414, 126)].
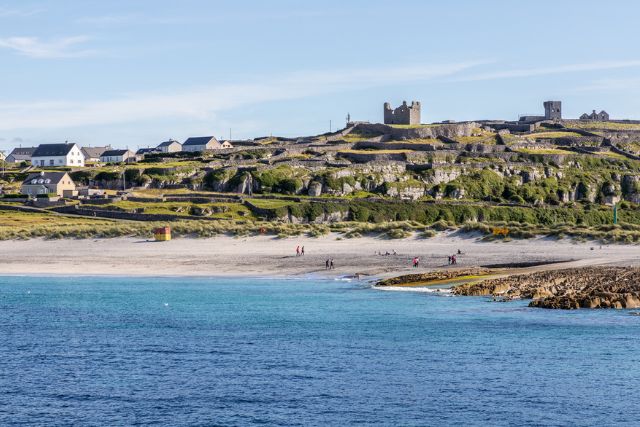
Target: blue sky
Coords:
[(135, 73)]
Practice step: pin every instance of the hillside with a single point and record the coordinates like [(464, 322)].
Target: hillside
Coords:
[(558, 178)]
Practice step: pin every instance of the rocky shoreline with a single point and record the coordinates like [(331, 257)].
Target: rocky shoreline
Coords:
[(574, 288)]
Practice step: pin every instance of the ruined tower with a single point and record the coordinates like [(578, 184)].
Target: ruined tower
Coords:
[(552, 110), (403, 115)]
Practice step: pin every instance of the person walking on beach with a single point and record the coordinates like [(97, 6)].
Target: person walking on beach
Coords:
[(326, 264), (297, 250), (331, 264), (302, 251), (417, 262), (453, 259)]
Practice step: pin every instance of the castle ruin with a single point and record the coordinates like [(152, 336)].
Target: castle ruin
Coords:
[(552, 110), (403, 115)]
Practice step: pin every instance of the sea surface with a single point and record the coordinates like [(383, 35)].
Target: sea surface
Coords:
[(174, 351)]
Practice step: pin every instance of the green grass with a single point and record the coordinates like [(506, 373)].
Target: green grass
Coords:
[(543, 151), (552, 135), (604, 125), (375, 151)]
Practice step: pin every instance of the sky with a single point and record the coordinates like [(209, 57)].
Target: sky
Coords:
[(136, 73)]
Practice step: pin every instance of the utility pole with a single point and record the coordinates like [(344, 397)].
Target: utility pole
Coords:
[(329, 126), (229, 134), (615, 214), (124, 179)]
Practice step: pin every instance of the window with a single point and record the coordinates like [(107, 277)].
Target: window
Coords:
[(50, 162)]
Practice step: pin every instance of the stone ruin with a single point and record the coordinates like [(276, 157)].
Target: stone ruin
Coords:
[(403, 115), (602, 116)]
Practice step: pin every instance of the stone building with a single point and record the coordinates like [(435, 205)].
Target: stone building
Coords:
[(403, 115), (602, 116), (552, 110)]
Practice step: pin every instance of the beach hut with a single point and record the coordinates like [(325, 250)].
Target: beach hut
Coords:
[(162, 234)]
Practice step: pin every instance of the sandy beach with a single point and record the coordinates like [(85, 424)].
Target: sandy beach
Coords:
[(269, 256)]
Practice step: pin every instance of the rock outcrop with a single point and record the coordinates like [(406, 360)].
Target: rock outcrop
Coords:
[(591, 287)]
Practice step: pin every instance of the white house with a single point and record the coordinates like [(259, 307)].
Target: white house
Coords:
[(201, 143), (57, 155), (118, 156), (170, 146)]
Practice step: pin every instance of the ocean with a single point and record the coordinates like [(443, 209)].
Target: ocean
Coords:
[(186, 351)]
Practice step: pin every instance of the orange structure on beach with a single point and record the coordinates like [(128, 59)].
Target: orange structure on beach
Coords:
[(162, 234)]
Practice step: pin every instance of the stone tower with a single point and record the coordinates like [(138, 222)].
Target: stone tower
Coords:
[(403, 115), (553, 110)]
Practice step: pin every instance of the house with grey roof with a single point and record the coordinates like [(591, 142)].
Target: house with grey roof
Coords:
[(144, 151), (92, 154), (201, 143), (57, 155), (118, 156), (59, 183), (20, 154), (170, 146)]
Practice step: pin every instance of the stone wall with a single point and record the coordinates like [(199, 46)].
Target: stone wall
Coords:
[(421, 132)]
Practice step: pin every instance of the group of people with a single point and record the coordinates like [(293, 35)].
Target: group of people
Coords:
[(328, 265), (416, 262), (387, 253), (452, 258), (299, 250)]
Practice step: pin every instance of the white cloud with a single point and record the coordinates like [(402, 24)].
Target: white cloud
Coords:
[(541, 71), (204, 103), (35, 48)]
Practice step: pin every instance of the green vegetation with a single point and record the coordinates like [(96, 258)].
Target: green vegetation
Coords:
[(588, 125), (552, 135)]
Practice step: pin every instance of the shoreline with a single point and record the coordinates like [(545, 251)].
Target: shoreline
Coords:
[(270, 257)]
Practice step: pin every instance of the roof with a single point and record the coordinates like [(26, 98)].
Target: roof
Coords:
[(42, 178), (94, 152), (47, 150), (146, 150), (168, 143), (199, 140), (23, 151), (114, 153)]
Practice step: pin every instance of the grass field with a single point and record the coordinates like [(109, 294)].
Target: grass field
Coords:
[(604, 125)]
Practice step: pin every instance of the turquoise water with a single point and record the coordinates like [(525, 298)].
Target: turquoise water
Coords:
[(121, 351)]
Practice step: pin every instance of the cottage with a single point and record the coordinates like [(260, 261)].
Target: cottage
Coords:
[(57, 155), (118, 156), (226, 144), (59, 183), (201, 143), (170, 146), (92, 154), (20, 154)]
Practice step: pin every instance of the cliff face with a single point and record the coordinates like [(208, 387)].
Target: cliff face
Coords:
[(593, 287)]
